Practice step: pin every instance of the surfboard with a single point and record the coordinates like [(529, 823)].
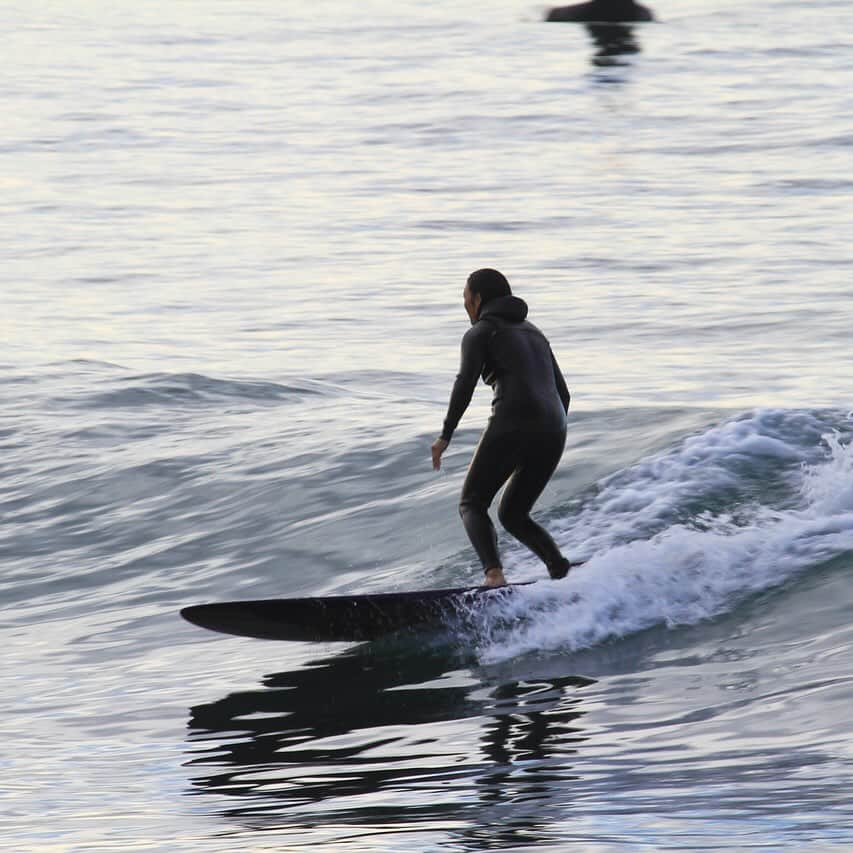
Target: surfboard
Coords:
[(351, 618)]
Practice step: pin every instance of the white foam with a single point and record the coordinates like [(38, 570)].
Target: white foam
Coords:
[(687, 570), (829, 487)]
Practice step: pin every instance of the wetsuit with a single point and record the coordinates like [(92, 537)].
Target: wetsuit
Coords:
[(525, 435)]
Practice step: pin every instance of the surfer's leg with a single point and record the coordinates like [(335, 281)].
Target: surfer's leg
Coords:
[(494, 460), (539, 459)]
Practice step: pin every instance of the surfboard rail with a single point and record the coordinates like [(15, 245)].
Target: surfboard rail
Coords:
[(341, 618)]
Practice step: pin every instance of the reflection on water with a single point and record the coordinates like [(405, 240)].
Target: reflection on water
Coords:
[(612, 41), (685, 727), (417, 727)]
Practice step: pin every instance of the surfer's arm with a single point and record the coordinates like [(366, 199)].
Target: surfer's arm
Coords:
[(562, 390), (470, 368)]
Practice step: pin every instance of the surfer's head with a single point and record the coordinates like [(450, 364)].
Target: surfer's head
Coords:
[(483, 286)]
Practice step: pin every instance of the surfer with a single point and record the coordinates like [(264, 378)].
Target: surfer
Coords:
[(524, 439)]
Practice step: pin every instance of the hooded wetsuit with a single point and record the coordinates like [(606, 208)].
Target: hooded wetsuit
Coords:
[(526, 432)]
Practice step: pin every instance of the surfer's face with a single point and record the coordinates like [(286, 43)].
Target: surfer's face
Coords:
[(472, 303)]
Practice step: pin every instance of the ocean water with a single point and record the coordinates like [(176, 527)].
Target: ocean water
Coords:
[(235, 241)]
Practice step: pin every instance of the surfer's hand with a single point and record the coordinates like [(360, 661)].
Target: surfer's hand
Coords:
[(438, 447)]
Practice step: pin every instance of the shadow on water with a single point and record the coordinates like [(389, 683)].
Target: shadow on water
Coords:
[(405, 737)]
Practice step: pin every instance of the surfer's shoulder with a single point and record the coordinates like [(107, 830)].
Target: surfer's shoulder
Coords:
[(483, 328)]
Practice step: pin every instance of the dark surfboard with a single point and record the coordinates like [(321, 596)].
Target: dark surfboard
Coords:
[(345, 617)]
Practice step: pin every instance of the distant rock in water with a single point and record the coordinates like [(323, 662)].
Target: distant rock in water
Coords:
[(602, 11)]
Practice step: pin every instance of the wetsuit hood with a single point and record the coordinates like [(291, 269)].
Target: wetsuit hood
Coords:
[(506, 307)]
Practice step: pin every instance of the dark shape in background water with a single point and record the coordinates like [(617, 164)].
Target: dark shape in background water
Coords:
[(608, 23), (601, 11)]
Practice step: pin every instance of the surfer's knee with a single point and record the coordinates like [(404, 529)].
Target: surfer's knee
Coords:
[(472, 503), (511, 519)]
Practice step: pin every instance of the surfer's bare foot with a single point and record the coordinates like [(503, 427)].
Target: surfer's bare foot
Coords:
[(495, 577)]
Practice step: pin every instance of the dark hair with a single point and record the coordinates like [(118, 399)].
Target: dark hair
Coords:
[(489, 284)]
